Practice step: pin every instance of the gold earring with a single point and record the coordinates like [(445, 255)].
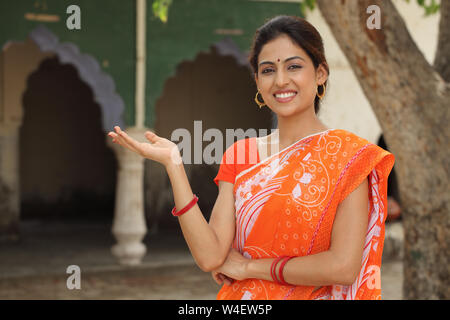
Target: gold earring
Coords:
[(324, 88), (259, 101)]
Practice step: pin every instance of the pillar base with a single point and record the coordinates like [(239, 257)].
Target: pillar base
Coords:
[(129, 254), (129, 225)]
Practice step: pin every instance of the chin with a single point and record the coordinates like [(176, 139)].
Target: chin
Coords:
[(287, 111)]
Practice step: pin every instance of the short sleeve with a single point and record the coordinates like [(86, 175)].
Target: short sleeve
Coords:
[(238, 157), (227, 169)]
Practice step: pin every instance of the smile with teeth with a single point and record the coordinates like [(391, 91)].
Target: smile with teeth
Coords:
[(285, 95)]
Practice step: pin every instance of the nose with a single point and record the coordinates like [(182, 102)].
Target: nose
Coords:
[(282, 78)]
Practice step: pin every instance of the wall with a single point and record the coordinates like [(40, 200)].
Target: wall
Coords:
[(16, 63), (107, 33)]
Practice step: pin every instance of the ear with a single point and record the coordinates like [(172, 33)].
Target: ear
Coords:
[(256, 79), (321, 74)]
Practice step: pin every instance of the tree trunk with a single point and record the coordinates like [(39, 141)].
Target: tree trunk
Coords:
[(442, 59), (411, 101)]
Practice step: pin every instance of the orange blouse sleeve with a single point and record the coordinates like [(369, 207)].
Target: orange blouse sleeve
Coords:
[(238, 157), (227, 170)]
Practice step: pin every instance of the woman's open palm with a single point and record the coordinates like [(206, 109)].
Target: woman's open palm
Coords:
[(159, 149)]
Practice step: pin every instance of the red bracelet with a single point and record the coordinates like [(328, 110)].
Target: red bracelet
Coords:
[(186, 208), (273, 268), (280, 272)]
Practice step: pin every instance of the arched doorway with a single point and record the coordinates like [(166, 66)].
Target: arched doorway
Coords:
[(218, 91), (66, 169), (17, 61)]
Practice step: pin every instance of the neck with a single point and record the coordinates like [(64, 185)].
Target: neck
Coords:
[(294, 128)]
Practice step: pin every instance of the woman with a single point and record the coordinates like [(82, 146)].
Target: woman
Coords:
[(306, 219)]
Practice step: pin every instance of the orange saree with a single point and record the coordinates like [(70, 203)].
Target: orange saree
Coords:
[(286, 204)]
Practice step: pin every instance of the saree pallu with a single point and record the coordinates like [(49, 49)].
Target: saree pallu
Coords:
[(286, 205)]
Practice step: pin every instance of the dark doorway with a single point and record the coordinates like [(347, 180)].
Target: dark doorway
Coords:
[(66, 169)]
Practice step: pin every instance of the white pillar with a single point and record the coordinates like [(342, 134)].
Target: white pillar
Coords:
[(141, 30), (129, 225)]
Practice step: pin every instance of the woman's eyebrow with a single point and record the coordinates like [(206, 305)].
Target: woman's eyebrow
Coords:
[(288, 59), (292, 58)]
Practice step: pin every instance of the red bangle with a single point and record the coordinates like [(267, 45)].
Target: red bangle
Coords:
[(273, 268), (186, 208), (280, 272)]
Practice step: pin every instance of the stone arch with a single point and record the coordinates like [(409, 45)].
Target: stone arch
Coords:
[(102, 84), (227, 47), (43, 44), (72, 174)]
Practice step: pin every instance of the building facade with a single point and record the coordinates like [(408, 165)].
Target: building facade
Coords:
[(69, 74)]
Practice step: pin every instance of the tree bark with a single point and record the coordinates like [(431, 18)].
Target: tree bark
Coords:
[(411, 101), (442, 59)]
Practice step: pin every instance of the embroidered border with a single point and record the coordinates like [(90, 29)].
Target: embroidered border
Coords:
[(347, 166)]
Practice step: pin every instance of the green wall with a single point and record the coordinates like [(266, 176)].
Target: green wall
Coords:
[(107, 33)]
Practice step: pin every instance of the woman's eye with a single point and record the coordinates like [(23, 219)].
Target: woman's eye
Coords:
[(267, 70), (294, 66)]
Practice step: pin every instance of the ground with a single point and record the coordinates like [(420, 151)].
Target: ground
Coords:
[(35, 268)]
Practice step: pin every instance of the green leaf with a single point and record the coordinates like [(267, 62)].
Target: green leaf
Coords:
[(305, 5), (161, 9), (430, 6)]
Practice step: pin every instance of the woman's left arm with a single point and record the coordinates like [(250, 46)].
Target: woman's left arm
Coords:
[(338, 265)]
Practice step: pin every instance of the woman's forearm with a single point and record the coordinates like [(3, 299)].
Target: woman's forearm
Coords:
[(320, 269), (200, 237)]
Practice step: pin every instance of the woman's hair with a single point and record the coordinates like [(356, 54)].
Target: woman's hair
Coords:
[(301, 32)]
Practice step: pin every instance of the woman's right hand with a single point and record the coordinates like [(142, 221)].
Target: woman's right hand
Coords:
[(220, 278), (159, 149)]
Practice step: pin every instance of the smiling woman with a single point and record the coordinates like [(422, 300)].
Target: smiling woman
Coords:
[(306, 222), (309, 218), (297, 36)]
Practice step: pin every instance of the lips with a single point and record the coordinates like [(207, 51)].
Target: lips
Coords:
[(284, 96)]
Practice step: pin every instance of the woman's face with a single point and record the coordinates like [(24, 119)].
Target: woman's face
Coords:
[(287, 79)]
